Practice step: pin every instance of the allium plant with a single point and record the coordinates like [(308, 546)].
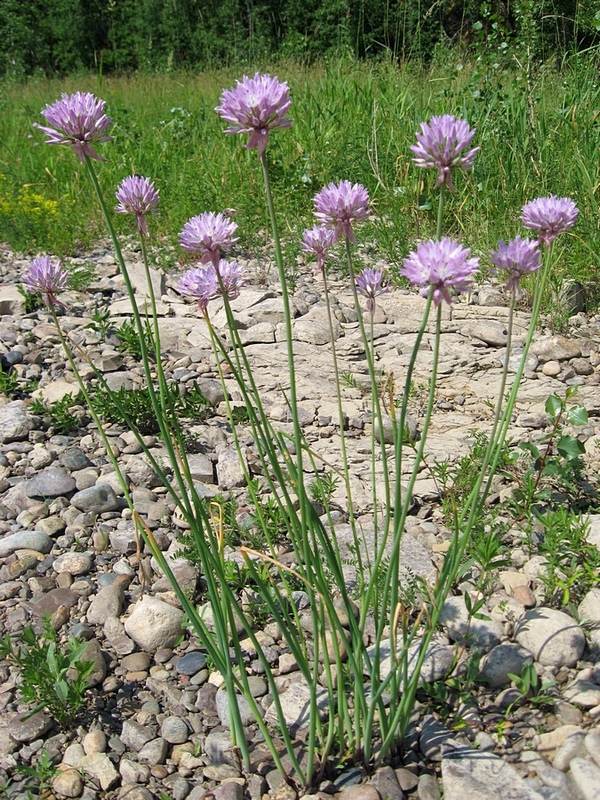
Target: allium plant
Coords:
[(47, 277), (256, 106), (209, 282), (317, 241), (139, 197), (340, 206), (549, 216), (209, 234), (520, 257), (439, 267), (443, 144), (370, 285), (359, 667), (77, 120)]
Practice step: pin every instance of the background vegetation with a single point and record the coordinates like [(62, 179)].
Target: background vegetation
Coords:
[(524, 74), (63, 36)]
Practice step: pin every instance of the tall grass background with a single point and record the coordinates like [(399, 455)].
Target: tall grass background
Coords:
[(538, 129)]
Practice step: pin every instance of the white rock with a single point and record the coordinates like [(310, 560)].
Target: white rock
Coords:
[(552, 637), (472, 775), (154, 624), (460, 625), (587, 778)]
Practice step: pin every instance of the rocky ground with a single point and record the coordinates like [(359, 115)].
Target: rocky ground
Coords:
[(156, 722)]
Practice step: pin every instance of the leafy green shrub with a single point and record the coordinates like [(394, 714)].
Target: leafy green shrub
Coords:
[(51, 679), (59, 415)]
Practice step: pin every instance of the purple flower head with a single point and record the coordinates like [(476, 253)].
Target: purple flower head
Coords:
[(441, 144), (208, 234), (549, 216), (139, 197), (77, 119), (441, 265), (370, 284), (317, 241), (519, 257), (256, 106), (340, 205), (45, 277), (203, 282)]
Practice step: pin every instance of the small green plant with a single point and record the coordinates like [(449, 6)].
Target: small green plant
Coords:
[(8, 382), (572, 564), (129, 340), (51, 678), (40, 772), (132, 407), (531, 688), (557, 463), (457, 688), (100, 322), (59, 415), (323, 487), (32, 301)]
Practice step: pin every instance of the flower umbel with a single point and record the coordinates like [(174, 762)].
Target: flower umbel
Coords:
[(208, 234), (441, 144), (79, 120), (440, 265), (256, 106), (45, 277), (341, 205), (139, 197), (519, 257), (370, 284), (203, 282), (317, 241), (549, 216)]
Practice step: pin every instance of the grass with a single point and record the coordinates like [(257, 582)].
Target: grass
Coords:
[(538, 133)]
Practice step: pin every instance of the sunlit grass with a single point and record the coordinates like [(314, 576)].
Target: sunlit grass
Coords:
[(538, 133)]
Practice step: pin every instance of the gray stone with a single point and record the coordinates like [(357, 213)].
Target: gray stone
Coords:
[(74, 563), (73, 458), (97, 499), (191, 663), (25, 729), (555, 348), (386, 783), (592, 744), (134, 736), (295, 705), (552, 637), (433, 737), (230, 474), (492, 333), (246, 713), (583, 693), (437, 663), (587, 778), (460, 625), (25, 540), (15, 422), (428, 788), (100, 767), (201, 468), (125, 540), (469, 774), (589, 608), (219, 749), (154, 624), (67, 783), (174, 730), (572, 747), (108, 602), (93, 653), (52, 482), (504, 659), (140, 473), (154, 752)]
